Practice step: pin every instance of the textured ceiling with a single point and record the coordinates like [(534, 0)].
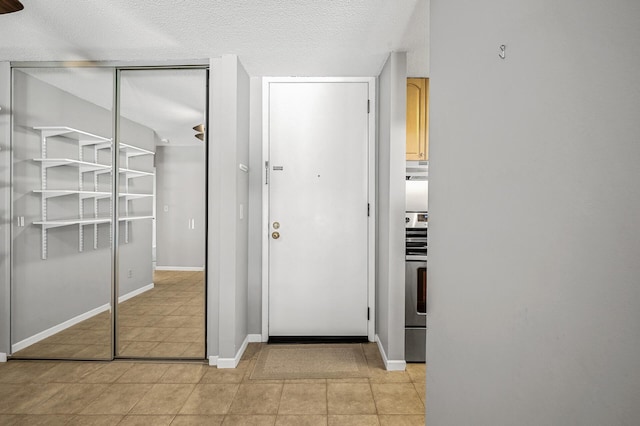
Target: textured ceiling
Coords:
[(272, 38), (276, 38)]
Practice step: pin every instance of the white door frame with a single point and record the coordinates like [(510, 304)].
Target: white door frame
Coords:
[(371, 188)]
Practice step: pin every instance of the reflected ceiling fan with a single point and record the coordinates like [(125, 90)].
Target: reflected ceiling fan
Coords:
[(200, 129), (9, 6)]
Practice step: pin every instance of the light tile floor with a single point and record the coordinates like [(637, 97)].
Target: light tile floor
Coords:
[(165, 322), (139, 393)]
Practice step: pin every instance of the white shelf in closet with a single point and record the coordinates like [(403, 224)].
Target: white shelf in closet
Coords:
[(130, 173), (132, 218), (96, 143), (129, 152), (84, 166), (84, 138), (68, 222), (134, 151), (130, 196), (50, 193), (90, 221)]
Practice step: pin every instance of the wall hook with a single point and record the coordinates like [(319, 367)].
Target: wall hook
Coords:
[(502, 49)]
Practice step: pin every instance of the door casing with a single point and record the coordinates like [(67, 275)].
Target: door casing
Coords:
[(371, 189)]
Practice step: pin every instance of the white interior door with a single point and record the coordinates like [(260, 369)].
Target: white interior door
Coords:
[(318, 195)]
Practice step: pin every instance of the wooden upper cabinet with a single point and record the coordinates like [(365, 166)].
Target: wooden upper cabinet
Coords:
[(417, 119)]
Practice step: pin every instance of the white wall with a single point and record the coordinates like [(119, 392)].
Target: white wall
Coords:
[(534, 294), (390, 269), (228, 186), (180, 174), (5, 210)]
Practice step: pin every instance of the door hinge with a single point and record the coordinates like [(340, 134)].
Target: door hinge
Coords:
[(368, 106), (368, 209), (266, 173), (368, 312)]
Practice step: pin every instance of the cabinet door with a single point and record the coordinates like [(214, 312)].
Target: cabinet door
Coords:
[(417, 119)]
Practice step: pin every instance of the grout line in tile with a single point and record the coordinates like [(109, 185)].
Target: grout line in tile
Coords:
[(374, 400)]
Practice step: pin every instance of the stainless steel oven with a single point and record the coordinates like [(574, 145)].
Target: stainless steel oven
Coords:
[(416, 286)]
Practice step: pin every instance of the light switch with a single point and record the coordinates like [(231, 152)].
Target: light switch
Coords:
[(166, 208)]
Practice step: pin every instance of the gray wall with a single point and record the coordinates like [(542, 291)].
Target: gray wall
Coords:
[(228, 191), (5, 195), (534, 295), (66, 284), (391, 205), (180, 174), (135, 257), (242, 203), (256, 170)]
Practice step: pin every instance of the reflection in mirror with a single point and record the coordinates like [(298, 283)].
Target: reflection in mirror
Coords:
[(161, 211), (61, 276)]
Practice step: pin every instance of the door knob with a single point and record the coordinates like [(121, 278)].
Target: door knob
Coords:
[(275, 235)]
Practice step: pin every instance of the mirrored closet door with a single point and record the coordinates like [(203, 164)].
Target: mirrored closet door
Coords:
[(161, 207), (109, 201), (61, 288)]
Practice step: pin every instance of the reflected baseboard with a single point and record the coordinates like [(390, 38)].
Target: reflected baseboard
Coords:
[(134, 293), (180, 268), (58, 328), (75, 320)]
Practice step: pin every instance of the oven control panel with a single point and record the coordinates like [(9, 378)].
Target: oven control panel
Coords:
[(416, 220)]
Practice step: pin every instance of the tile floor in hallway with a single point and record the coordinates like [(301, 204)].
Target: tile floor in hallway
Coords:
[(166, 321), (143, 393)]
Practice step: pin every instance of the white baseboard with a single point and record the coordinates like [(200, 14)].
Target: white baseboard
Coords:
[(58, 328), (390, 365), (180, 268), (75, 320), (233, 362), (135, 293), (255, 338), (3, 357), (213, 360)]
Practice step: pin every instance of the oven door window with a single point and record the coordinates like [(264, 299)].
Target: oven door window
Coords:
[(421, 307)]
